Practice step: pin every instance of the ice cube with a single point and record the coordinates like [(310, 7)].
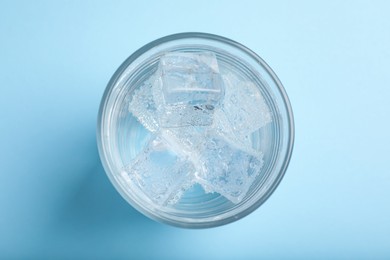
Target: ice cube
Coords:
[(244, 105), (180, 115), (226, 169), (242, 112), (191, 78), (187, 89), (160, 173), (142, 106), (185, 141), (222, 127)]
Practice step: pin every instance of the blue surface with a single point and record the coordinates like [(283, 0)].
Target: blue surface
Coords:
[(55, 60)]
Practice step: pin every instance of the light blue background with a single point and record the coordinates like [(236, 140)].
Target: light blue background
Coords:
[(333, 59)]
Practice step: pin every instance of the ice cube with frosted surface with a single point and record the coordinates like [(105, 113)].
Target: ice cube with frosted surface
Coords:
[(187, 88), (184, 140), (142, 106), (160, 173), (244, 105), (227, 169), (243, 111)]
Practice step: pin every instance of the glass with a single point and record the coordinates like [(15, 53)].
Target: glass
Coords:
[(121, 137)]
